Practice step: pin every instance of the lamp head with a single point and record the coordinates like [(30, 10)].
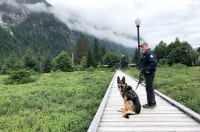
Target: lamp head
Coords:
[(137, 22)]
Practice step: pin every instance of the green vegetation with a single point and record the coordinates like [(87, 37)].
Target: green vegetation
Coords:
[(176, 52), (45, 37), (57, 101), (21, 76), (45, 55), (179, 82), (63, 62)]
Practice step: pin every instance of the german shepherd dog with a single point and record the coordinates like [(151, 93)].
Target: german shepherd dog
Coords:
[(132, 104)]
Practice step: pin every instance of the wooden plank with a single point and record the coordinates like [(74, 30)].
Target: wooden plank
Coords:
[(121, 103), (132, 119), (149, 112), (155, 109), (144, 124), (148, 116), (188, 111), (149, 129)]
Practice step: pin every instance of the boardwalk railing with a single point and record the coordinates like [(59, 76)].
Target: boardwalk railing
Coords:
[(168, 115), (186, 110), (96, 120)]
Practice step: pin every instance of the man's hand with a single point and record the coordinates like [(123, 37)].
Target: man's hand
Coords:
[(145, 71)]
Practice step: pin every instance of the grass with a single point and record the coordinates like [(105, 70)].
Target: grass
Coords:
[(56, 102), (179, 82)]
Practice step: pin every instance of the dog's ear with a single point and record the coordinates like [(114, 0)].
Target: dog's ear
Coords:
[(118, 79), (123, 80)]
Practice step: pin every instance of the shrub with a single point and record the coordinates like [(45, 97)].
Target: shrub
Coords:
[(31, 62), (78, 68), (90, 69), (62, 62), (20, 76), (178, 66)]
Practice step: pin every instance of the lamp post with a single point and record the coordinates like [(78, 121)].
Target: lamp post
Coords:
[(137, 23), (122, 61)]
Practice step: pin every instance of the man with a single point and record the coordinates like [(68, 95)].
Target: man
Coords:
[(148, 68)]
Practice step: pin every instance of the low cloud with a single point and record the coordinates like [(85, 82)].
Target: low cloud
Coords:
[(79, 20), (114, 19), (38, 7), (161, 20)]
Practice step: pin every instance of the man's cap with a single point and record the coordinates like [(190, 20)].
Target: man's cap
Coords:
[(143, 44)]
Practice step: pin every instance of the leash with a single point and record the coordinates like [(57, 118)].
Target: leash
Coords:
[(141, 78)]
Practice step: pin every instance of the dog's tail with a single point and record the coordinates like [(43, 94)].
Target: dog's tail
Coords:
[(126, 115)]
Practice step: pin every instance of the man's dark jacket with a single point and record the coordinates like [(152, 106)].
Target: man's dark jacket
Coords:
[(148, 62)]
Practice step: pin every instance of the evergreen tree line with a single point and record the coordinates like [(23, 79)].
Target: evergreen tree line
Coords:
[(92, 55), (85, 55), (174, 53), (177, 52), (21, 59)]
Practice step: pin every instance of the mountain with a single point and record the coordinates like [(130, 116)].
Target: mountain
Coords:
[(15, 11), (41, 32), (32, 1), (12, 13)]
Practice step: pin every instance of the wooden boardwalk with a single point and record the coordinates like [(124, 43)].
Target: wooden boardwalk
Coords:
[(164, 118)]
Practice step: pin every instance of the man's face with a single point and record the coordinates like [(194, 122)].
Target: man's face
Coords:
[(144, 48)]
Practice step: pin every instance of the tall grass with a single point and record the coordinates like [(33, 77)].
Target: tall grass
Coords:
[(57, 102)]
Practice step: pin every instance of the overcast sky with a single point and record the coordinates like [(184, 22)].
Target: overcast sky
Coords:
[(161, 19)]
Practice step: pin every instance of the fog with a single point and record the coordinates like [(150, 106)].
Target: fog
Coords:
[(114, 19)]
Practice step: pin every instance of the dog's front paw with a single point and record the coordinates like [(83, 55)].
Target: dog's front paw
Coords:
[(122, 110)]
